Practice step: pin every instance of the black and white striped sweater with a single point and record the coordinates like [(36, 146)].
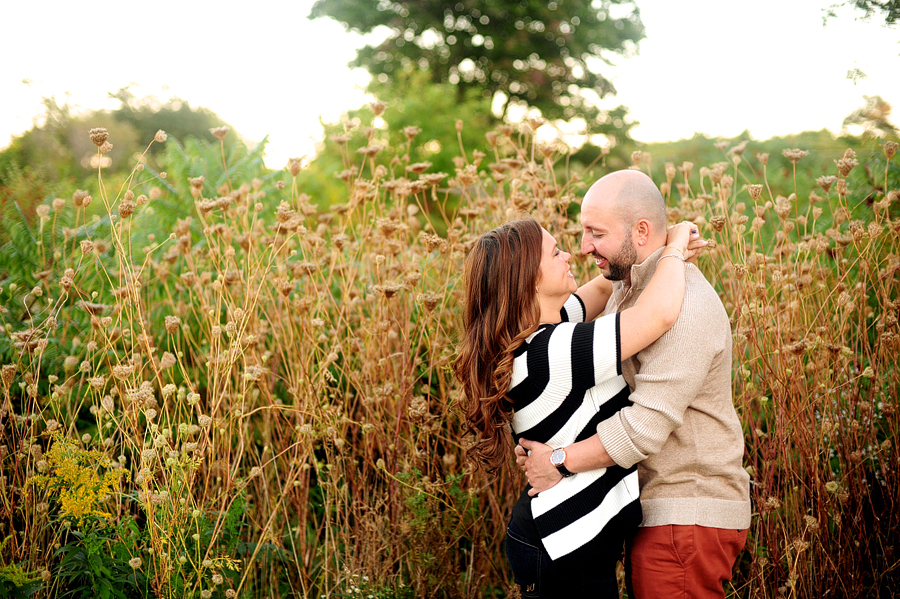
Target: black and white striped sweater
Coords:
[(566, 379)]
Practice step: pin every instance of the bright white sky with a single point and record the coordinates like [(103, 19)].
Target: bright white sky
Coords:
[(712, 66)]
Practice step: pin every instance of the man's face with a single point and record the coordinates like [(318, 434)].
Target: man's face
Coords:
[(606, 239)]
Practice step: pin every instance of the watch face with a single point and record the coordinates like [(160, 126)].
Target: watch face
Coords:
[(557, 457)]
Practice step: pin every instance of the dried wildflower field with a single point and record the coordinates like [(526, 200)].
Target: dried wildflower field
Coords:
[(212, 386)]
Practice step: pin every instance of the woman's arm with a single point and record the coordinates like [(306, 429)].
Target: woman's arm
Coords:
[(657, 309), (595, 293)]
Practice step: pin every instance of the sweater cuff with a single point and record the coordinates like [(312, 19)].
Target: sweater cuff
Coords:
[(617, 443)]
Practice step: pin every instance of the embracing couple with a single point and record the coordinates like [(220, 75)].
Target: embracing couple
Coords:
[(624, 424)]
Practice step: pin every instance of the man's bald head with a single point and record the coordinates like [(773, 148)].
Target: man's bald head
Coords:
[(628, 196), (623, 217)]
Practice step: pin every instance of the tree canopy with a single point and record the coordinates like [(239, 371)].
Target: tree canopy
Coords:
[(873, 117), (59, 147), (547, 55), (889, 9)]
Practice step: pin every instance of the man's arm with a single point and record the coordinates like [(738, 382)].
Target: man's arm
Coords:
[(580, 457), (672, 372)]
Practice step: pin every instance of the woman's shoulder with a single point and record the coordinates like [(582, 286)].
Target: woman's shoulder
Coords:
[(573, 310)]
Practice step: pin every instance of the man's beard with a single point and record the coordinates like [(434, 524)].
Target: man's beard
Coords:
[(620, 265)]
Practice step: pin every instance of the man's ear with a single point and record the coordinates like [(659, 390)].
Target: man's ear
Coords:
[(641, 232)]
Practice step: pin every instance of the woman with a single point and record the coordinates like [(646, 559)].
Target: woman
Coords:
[(532, 360)]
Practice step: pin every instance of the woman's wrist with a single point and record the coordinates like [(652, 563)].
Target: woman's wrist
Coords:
[(675, 248)]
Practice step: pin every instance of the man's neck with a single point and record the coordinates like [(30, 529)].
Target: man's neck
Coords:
[(650, 248), (641, 272)]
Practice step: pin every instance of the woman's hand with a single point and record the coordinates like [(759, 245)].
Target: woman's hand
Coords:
[(685, 238), (541, 474)]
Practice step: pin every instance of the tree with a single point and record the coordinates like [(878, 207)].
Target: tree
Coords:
[(873, 117), (176, 117), (432, 112), (546, 55), (59, 148), (889, 8)]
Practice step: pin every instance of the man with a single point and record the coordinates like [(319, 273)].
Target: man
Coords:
[(682, 429)]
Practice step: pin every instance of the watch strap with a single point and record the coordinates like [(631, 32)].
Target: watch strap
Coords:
[(564, 471)]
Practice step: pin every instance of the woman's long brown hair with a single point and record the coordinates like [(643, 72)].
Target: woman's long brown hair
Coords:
[(502, 310)]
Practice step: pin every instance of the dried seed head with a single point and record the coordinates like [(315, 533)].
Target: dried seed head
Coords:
[(429, 300), (811, 523), (794, 155), (172, 324), (717, 222), (87, 246), (70, 363), (126, 208), (81, 198), (99, 136), (371, 151), (847, 162), (166, 361), (636, 157), (220, 132), (826, 182), (890, 148), (295, 165), (841, 187), (782, 206), (411, 132), (160, 136), (7, 373), (755, 191), (547, 150), (122, 371), (670, 171), (763, 157), (106, 147), (418, 167), (378, 107), (738, 150)]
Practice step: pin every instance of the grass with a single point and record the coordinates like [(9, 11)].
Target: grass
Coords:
[(259, 402)]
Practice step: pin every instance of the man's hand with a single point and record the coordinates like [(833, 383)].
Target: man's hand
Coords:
[(533, 458)]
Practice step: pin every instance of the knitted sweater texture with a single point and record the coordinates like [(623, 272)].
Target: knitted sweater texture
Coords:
[(566, 378), (682, 429)]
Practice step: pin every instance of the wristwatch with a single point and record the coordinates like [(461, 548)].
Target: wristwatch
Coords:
[(558, 459)]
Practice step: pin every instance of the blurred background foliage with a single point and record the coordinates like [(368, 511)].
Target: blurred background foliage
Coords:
[(437, 64)]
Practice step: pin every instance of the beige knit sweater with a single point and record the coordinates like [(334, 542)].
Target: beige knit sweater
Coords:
[(682, 430)]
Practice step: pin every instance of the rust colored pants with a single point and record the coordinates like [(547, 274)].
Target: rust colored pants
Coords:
[(669, 562)]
